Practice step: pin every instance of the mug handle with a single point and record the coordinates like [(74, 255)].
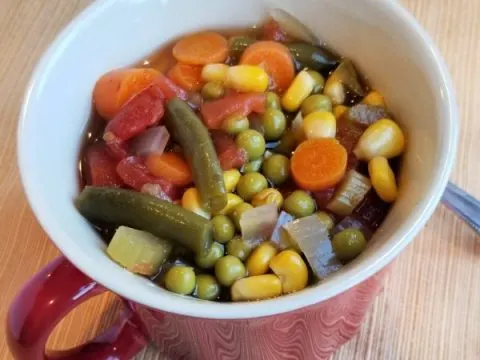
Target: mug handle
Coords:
[(46, 299)]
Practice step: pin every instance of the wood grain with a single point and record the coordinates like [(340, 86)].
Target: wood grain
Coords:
[(430, 308)]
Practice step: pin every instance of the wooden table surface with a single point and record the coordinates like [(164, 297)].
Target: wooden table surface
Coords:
[(430, 308)]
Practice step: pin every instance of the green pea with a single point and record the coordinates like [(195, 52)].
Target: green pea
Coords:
[(276, 168), (207, 287), (326, 220), (299, 203), (235, 124), (274, 124), (228, 269), (319, 81), (251, 184), (253, 142), (208, 261), (237, 212), (212, 90), (180, 279), (273, 100), (253, 166), (223, 229), (316, 103), (239, 248), (348, 244), (287, 144)]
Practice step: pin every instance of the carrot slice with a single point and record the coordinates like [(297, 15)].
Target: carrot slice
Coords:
[(318, 164), (275, 58), (189, 77), (202, 48), (171, 167), (116, 87)]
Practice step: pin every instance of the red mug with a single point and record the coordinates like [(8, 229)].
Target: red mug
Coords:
[(314, 332), (400, 60)]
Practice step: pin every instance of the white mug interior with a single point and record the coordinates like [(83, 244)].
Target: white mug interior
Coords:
[(380, 36)]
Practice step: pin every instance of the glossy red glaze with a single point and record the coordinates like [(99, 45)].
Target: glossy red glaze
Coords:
[(50, 296), (312, 333)]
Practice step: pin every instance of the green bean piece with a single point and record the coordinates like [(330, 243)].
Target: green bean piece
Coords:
[(145, 212), (313, 57), (189, 131)]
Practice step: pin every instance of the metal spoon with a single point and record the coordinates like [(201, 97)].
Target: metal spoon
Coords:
[(463, 204)]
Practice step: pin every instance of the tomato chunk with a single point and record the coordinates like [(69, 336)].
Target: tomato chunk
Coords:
[(214, 112), (100, 167), (134, 173), (229, 155), (169, 88), (142, 111)]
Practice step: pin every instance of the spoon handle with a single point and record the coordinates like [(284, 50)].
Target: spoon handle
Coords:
[(463, 204)]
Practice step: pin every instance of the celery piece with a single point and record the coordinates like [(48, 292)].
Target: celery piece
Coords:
[(350, 193)]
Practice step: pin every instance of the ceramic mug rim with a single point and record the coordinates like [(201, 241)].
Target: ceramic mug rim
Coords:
[(307, 297)]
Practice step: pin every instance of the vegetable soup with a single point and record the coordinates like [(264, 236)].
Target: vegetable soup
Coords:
[(239, 166)]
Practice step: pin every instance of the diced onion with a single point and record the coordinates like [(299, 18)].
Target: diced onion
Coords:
[(313, 239), (280, 237), (153, 140), (292, 26), (155, 190), (350, 193), (257, 224)]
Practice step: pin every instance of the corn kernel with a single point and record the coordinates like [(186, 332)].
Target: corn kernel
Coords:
[(339, 110), (247, 78), (383, 179), (259, 287), (231, 178), (215, 72), (382, 138), (335, 90), (291, 269), (320, 124), (191, 201), (300, 88), (268, 196), (232, 201), (374, 98), (258, 261)]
